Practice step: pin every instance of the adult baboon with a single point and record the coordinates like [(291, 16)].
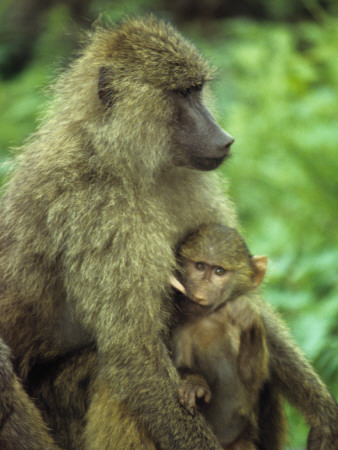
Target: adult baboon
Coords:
[(61, 387), (99, 198)]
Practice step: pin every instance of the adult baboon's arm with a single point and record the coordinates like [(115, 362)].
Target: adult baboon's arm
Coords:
[(300, 384), (119, 297)]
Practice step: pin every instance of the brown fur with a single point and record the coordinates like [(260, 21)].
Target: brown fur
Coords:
[(89, 222), (272, 425), (229, 349), (220, 334), (298, 382)]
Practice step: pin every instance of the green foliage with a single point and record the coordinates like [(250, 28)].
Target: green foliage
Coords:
[(23, 97), (278, 97), (119, 8), (276, 93)]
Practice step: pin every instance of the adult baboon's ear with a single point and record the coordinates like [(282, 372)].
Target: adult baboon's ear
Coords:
[(105, 91)]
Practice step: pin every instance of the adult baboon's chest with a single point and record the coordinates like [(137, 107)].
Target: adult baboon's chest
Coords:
[(66, 332)]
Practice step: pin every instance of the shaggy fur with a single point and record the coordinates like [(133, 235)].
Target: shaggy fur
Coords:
[(89, 222)]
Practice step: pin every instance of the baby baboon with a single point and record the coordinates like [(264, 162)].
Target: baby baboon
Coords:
[(115, 177), (219, 343), (21, 425)]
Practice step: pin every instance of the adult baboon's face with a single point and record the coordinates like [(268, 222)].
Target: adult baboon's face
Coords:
[(199, 142)]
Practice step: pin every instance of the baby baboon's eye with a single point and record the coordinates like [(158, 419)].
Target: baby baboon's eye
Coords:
[(219, 271), (200, 266)]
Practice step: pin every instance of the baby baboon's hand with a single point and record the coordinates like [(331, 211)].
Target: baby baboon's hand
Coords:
[(192, 388)]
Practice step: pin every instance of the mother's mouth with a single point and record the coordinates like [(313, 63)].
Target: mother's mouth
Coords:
[(207, 163)]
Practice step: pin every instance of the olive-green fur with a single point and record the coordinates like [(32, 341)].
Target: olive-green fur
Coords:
[(90, 218), (139, 48)]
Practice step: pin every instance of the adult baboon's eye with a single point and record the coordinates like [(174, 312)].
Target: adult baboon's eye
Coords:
[(219, 271), (200, 266), (184, 92)]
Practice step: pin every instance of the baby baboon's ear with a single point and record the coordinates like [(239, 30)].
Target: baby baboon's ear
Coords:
[(259, 264), (105, 89)]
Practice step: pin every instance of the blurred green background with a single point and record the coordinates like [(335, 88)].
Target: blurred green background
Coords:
[(276, 93)]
